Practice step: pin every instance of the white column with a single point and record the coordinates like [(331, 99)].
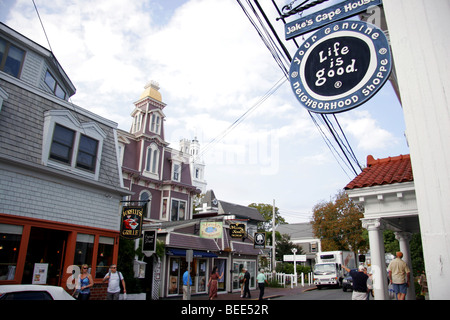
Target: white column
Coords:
[(420, 41), (379, 274), (403, 239)]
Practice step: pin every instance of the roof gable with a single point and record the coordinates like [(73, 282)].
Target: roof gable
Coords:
[(383, 171), (240, 211), (297, 230)]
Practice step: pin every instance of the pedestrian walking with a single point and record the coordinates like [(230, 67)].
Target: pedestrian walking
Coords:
[(187, 283), (399, 276), (261, 278), (84, 284), (241, 281), (359, 283), (213, 283), (114, 278), (246, 283)]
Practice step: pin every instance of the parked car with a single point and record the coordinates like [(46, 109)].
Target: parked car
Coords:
[(33, 292), (347, 282)]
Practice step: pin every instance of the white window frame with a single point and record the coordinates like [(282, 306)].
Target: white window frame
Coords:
[(178, 212), (67, 119), (149, 203), (55, 86), (155, 123), (152, 159), (176, 174), (137, 122)]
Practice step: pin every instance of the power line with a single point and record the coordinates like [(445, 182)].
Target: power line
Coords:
[(76, 114), (42, 24), (222, 135), (283, 58)]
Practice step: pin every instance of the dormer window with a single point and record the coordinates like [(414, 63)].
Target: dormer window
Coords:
[(155, 124), (11, 58), (51, 82), (63, 144), (176, 172), (72, 146), (152, 159), (87, 153), (137, 122), (145, 198)]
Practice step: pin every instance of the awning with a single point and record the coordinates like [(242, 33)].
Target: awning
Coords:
[(197, 254)]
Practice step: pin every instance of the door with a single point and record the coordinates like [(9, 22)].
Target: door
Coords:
[(46, 246), (221, 269)]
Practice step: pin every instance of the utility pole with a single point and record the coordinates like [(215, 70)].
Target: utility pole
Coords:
[(273, 238)]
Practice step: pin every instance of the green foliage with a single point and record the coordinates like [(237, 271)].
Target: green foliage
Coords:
[(127, 255), (288, 267), (391, 245), (273, 283), (338, 224), (266, 211)]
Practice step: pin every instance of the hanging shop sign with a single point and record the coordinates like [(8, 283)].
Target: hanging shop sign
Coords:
[(149, 242), (326, 16), (211, 230), (131, 222), (237, 230), (259, 240), (340, 67)]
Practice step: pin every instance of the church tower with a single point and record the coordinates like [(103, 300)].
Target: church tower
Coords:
[(197, 165)]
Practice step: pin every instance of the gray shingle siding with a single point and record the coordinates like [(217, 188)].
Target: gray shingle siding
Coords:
[(21, 130)]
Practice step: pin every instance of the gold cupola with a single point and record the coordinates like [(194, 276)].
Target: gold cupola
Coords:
[(152, 91)]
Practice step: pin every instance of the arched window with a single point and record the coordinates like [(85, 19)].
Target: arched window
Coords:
[(137, 122), (155, 123), (152, 159), (146, 196)]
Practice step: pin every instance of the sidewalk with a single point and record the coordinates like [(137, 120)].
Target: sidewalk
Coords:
[(269, 293)]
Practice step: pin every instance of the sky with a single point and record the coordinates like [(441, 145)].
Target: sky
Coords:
[(212, 68)]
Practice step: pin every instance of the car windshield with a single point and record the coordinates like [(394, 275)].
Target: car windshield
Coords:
[(324, 268), (27, 295)]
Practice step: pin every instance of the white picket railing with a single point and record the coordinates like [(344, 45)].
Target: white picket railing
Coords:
[(285, 278)]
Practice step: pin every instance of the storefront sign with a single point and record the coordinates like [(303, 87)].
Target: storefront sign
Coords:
[(340, 67), (149, 242), (131, 222), (329, 15), (210, 230), (237, 230), (260, 240), (40, 273)]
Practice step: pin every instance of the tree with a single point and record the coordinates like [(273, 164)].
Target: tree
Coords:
[(127, 254), (337, 223), (284, 246), (266, 211)]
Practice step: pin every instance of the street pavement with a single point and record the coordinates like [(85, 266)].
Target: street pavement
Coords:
[(269, 293)]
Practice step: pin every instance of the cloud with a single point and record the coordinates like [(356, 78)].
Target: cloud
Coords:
[(212, 67), (367, 132)]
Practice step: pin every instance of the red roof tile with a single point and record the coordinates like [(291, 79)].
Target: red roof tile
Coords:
[(383, 171)]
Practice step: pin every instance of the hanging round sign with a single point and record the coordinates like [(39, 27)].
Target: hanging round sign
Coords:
[(340, 67)]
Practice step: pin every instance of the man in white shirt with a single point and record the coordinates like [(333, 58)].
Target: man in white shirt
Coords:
[(114, 278)]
